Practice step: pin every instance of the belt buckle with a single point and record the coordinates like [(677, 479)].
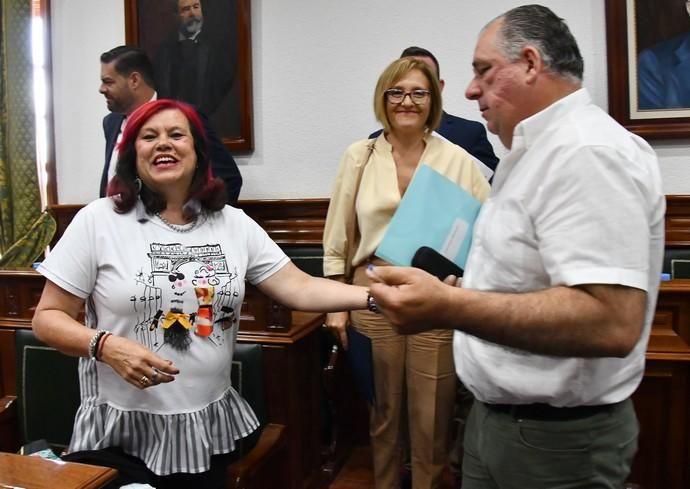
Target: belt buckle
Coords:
[(514, 412)]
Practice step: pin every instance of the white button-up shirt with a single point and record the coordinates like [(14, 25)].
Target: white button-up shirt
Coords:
[(577, 200)]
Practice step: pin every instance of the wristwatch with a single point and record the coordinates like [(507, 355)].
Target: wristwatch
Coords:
[(371, 304)]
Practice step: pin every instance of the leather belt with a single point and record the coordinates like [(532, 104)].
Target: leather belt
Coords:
[(546, 412)]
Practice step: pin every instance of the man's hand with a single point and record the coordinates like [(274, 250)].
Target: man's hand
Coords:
[(413, 300), (588, 320)]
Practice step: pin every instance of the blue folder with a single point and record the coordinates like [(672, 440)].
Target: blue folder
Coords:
[(434, 212)]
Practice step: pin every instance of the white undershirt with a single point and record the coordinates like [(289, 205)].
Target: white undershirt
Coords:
[(116, 149), (114, 155)]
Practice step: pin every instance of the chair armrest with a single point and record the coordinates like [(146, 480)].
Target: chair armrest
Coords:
[(263, 459), (8, 409)]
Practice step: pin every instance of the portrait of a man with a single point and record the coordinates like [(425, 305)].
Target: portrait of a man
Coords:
[(195, 49), (663, 76)]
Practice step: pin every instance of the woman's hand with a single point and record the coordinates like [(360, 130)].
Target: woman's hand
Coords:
[(135, 363), (337, 323), (55, 323)]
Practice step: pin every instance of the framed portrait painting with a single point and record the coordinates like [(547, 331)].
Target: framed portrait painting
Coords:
[(201, 54), (648, 46)]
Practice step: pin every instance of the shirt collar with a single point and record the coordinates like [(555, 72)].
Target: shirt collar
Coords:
[(528, 130)]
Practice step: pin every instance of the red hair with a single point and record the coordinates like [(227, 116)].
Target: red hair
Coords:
[(205, 188), (142, 114)]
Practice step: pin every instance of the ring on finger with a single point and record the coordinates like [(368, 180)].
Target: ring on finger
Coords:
[(144, 381)]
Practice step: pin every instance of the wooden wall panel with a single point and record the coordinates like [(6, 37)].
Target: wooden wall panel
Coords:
[(678, 221), (20, 290), (300, 221), (662, 400), (288, 222), (8, 383), (670, 337), (661, 404)]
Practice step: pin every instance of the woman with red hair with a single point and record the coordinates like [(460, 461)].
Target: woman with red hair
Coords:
[(161, 265)]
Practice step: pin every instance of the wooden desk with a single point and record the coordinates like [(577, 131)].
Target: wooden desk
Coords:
[(36, 473)]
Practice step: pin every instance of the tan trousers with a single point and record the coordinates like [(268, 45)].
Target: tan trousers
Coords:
[(421, 367)]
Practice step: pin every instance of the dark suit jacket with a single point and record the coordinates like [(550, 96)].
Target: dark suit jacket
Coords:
[(664, 74), (210, 78), (222, 163), (469, 135)]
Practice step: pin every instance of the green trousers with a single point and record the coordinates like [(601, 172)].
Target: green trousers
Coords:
[(503, 451)]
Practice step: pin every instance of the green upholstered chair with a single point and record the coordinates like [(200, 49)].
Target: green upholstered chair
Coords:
[(47, 391), (308, 258), (261, 457), (672, 255), (48, 398)]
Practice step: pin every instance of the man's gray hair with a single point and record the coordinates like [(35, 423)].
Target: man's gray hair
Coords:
[(539, 27)]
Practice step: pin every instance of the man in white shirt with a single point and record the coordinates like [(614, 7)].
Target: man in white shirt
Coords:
[(560, 286)]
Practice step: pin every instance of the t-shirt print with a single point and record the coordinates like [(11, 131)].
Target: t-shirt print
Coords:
[(185, 294)]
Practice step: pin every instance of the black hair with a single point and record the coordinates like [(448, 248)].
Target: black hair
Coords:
[(129, 59), (417, 51)]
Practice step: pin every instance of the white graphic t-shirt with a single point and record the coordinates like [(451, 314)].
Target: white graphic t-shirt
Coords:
[(180, 295)]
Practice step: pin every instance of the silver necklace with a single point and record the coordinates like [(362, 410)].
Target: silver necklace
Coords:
[(178, 228)]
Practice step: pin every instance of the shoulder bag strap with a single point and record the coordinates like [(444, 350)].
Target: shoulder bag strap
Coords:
[(351, 233)]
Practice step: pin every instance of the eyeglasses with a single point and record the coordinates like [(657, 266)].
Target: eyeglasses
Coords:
[(397, 95)]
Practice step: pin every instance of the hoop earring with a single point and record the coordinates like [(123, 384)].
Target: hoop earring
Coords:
[(137, 182)]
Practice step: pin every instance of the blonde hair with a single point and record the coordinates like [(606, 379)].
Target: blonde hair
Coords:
[(391, 75)]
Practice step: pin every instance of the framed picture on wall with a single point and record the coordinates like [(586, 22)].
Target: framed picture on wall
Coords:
[(201, 54), (648, 46)]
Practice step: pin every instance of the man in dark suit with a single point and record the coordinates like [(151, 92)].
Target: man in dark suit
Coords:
[(127, 83), (469, 135), (196, 63), (664, 74)]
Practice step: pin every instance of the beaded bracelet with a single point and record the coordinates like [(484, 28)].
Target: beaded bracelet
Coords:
[(99, 347), (93, 344)]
